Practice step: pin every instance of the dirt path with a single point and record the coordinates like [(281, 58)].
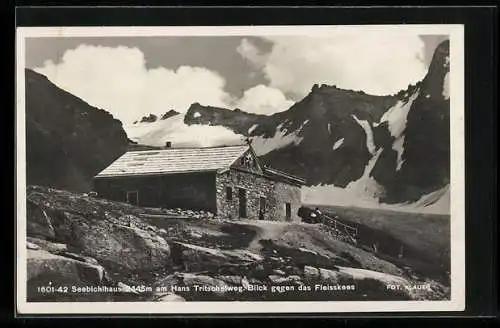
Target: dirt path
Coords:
[(264, 230)]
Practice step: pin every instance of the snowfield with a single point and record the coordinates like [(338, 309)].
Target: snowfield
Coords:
[(180, 134), (437, 202), (446, 86), (281, 138), (396, 117), (370, 144), (338, 143)]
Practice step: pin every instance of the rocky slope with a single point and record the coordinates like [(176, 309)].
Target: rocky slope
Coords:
[(307, 133), (77, 243), (67, 140), (415, 137), (390, 149)]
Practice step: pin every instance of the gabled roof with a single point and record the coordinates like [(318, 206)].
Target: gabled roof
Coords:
[(173, 160)]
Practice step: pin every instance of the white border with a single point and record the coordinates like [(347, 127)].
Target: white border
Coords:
[(457, 302)]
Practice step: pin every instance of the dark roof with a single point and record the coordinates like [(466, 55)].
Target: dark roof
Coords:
[(186, 160), (173, 160)]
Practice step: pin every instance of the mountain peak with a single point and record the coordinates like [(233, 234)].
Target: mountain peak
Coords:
[(149, 119), (434, 82), (169, 114)]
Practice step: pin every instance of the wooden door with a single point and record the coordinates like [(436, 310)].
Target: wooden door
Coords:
[(288, 211), (262, 208), (242, 197)]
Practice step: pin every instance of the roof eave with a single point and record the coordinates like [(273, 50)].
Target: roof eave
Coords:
[(104, 176)]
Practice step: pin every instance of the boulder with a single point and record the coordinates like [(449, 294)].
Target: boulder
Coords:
[(292, 270), (194, 258), (30, 245), (47, 245), (44, 269), (196, 235), (38, 222), (170, 297), (124, 288), (121, 247), (294, 278), (52, 277), (279, 280), (79, 257), (361, 274), (231, 279), (311, 273), (329, 276), (217, 286), (188, 282), (241, 255)]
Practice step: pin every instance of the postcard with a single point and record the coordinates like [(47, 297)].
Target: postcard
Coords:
[(249, 169)]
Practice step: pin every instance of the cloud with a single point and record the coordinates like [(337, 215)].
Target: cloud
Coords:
[(376, 62), (430, 44), (262, 99), (251, 52), (117, 80)]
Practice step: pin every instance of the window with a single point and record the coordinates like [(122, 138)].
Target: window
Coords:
[(229, 193), (133, 197), (288, 210)]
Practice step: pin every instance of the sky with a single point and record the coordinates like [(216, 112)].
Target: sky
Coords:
[(133, 76)]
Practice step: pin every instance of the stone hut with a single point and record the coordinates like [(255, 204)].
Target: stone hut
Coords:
[(227, 181)]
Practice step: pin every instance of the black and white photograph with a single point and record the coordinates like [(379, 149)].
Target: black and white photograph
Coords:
[(248, 169)]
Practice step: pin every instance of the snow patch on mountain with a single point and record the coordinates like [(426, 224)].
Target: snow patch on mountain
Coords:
[(332, 195), (252, 128), (338, 143), (282, 138), (367, 187), (398, 146), (370, 144), (180, 134), (397, 117), (439, 198), (446, 87), (437, 202)]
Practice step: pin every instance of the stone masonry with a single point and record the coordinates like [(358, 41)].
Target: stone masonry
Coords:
[(276, 193)]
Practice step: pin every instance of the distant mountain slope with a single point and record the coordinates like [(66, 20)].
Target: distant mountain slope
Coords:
[(391, 149), (299, 140), (67, 140), (173, 129), (419, 150)]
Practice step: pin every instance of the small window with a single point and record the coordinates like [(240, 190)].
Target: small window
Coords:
[(229, 193), (133, 197), (288, 210)]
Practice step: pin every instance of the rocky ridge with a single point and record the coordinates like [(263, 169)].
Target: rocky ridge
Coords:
[(67, 140), (80, 241), (391, 149)]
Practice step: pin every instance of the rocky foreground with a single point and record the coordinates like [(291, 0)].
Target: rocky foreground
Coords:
[(82, 248)]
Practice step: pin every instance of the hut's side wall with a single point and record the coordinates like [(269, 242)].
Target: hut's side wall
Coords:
[(277, 195), (195, 191)]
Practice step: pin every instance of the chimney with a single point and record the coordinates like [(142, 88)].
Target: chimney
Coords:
[(168, 144)]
